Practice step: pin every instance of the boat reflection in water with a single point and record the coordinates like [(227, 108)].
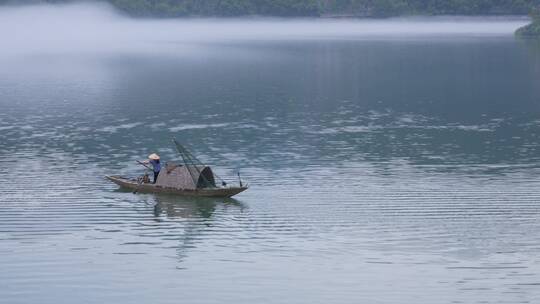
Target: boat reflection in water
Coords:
[(192, 207), (195, 219)]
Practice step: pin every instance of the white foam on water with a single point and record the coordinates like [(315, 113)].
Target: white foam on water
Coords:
[(114, 129), (197, 126)]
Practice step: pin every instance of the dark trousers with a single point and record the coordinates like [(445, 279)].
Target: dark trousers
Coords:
[(155, 176)]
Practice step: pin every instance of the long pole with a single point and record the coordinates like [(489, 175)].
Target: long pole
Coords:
[(141, 163), (239, 179)]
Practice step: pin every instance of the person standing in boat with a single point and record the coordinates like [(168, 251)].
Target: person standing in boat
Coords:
[(153, 159)]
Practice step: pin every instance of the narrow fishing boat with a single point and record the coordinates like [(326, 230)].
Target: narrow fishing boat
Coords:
[(191, 178)]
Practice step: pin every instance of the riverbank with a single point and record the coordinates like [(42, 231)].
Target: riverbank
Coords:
[(533, 29), (530, 30)]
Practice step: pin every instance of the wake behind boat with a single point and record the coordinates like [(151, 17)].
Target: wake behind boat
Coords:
[(191, 178)]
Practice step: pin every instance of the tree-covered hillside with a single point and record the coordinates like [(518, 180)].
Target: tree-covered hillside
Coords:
[(173, 8), (363, 8), (368, 8), (434, 7)]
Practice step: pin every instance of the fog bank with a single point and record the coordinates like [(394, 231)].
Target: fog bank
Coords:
[(98, 28)]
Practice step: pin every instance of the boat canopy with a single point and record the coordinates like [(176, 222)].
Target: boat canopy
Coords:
[(188, 177)]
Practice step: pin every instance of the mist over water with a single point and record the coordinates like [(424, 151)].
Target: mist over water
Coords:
[(98, 28), (390, 161)]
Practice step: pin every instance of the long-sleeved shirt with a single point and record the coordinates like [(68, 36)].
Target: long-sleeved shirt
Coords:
[(156, 165)]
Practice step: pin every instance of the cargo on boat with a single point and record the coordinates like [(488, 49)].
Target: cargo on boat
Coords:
[(191, 178)]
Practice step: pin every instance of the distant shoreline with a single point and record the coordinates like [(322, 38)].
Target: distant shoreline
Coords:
[(336, 17), (368, 14), (528, 30), (349, 16), (352, 9)]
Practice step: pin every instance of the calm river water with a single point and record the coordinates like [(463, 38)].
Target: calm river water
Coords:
[(391, 167)]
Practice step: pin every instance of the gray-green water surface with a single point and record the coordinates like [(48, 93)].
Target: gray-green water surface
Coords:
[(396, 163)]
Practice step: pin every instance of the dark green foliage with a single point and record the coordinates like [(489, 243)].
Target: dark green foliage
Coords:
[(390, 7), (535, 14), (287, 7), (428, 7), (133, 7), (173, 8)]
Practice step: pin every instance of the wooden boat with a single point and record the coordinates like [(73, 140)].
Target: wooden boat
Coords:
[(135, 185), (191, 178)]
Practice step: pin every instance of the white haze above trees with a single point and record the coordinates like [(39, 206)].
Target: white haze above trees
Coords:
[(98, 28)]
